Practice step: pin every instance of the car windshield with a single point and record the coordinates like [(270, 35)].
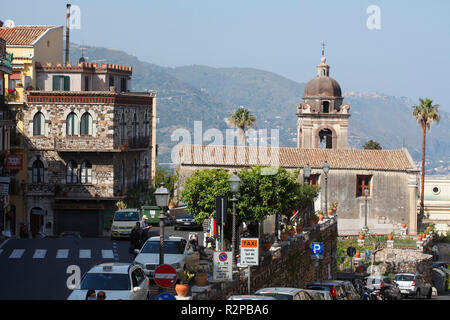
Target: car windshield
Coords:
[(170, 247), (278, 296), (126, 216), (105, 281), (404, 277)]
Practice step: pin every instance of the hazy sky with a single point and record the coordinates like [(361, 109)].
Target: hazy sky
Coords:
[(409, 55)]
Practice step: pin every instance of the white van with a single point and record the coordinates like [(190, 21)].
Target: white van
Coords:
[(123, 222)]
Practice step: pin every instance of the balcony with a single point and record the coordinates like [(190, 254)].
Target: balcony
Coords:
[(84, 144), (136, 143)]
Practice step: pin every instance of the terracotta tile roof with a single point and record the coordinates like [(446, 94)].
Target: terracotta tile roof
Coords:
[(23, 35), (386, 160)]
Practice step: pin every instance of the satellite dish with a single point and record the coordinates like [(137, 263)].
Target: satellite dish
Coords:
[(9, 24)]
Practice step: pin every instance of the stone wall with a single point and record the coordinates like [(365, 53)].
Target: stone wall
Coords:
[(291, 265)]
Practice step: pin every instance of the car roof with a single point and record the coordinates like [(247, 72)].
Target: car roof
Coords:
[(166, 238), (328, 282), (111, 267), (250, 297), (279, 290)]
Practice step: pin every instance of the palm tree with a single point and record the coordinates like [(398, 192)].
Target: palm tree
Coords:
[(425, 114), (242, 120)]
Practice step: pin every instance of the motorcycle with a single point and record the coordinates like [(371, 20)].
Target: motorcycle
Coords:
[(371, 294)]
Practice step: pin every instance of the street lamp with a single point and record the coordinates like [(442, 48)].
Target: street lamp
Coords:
[(235, 183), (366, 228), (326, 169), (162, 200), (306, 176)]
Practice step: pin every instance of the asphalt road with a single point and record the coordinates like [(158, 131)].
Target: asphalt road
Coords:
[(42, 269)]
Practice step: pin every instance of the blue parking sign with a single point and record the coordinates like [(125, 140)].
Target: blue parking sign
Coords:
[(317, 248)]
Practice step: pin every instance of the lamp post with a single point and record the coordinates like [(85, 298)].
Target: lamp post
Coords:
[(326, 169), (365, 228), (235, 183), (162, 200), (306, 176)]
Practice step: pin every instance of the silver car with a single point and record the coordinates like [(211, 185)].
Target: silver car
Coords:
[(281, 293), (411, 284)]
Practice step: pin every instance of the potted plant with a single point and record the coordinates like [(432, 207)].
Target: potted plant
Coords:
[(313, 218), (361, 235), (320, 215), (391, 236), (357, 254), (284, 235), (266, 241), (200, 275), (333, 206), (403, 225), (290, 229), (419, 237), (298, 227), (182, 287), (172, 203)]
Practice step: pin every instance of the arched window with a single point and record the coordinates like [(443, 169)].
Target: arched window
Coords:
[(86, 124), (136, 173), (146, 169), (135, 127), (146, 125), (123, 125), (38, 124), (37, 172), (72, 124), (86, 172), (123, 175), (72, 172)]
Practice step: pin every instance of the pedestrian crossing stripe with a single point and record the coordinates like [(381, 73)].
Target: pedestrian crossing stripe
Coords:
[(62, 253), (85, 253), (107, 254), (17, 254), (39, 254)]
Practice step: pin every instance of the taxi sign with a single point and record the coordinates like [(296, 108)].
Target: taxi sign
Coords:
[(249, 251), (165, 276)]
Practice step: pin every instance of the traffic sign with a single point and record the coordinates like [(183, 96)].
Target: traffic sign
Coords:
[(351, 251), (165, 276), (222, 266), (249, 251), (317, 250), (165, 296)]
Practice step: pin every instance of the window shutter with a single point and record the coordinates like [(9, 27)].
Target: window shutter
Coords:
[(55, 83), (66, 83)]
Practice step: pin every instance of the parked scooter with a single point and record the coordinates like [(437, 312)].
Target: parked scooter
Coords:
[(371, 294)]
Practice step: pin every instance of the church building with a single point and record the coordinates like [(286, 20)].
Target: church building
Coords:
[(373, 188)]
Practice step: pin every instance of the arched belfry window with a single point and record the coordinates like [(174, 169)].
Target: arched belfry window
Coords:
[(325, 139), (325, 107)]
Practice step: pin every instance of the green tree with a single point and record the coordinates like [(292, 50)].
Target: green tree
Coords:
[(201, 189), (372, 145), (425, 114), (242, 120)]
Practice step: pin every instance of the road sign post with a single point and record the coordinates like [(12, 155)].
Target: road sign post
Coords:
[(351, 253), (223, 266), (249, 255), (165, 276)]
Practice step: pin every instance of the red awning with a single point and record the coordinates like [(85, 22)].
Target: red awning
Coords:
[(16, 75)]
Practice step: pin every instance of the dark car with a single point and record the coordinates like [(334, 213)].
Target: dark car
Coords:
[(70, 235), (335, 287), (186, 221)]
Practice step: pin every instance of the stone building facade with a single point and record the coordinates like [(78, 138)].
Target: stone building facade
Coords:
[(86, 151), (390, 176)]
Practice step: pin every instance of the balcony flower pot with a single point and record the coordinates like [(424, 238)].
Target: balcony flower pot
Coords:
[(361, 236), (419, 237), (182, 289), (201, 279), (390, 237), (298, 228), (404, 225), (284, 236), (357, 254), (321, 215)]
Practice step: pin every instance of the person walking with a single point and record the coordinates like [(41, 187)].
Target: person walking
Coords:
[(136, 238), (90, 295), (145, 227)]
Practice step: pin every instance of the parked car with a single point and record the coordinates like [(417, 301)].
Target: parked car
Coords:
[(177, 252), (335, 287), (123, 222), (119, 281), (413, 285), (315, 294), (325, 294), (186, 221), (440, 264), (350, 290), (250, 297), (70, 235), (280, 293), (388, 288)]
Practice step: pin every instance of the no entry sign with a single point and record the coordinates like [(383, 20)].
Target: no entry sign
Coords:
[(165, 276)]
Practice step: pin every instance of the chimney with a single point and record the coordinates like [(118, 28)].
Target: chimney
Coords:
[(67, 32)]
